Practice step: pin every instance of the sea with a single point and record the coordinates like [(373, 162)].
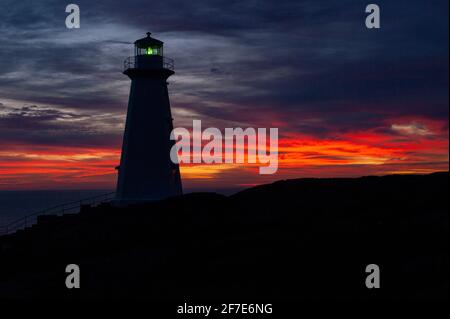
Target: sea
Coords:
[(17, 204)]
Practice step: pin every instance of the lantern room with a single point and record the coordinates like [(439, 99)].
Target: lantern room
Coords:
[(148, 55), (148, 46)]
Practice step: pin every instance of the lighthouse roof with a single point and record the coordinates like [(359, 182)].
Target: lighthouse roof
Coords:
[(148, 41)]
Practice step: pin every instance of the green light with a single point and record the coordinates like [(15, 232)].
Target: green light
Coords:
[(151, 51)]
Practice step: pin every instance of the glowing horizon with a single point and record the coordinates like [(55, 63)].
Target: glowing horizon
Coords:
[(349, 155)]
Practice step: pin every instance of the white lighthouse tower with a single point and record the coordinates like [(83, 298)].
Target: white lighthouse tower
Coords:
[(146, 171)]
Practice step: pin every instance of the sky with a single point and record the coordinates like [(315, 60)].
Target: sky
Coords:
[(348, 101)]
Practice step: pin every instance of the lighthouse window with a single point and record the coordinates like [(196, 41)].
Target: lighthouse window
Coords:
[(152, 51), (149, 51)]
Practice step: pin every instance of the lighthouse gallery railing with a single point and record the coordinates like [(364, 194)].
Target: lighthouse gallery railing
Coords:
[(130, 63)]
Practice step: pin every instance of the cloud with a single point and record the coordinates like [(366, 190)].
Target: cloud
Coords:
[(411, 129), (48, 126), (310, 68)]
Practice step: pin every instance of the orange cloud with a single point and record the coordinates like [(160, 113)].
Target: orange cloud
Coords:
[(404, 149)]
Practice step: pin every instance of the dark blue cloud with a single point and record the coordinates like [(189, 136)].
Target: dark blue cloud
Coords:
[(297, 59)]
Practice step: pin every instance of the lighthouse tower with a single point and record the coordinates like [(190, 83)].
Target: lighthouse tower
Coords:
[(146, 171)]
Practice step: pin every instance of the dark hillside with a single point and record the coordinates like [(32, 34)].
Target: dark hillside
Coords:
[(295, 239)]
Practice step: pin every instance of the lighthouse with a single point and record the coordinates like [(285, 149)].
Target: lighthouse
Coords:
[(146, 172)]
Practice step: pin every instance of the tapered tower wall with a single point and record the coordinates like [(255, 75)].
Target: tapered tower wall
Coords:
[(146, 171)]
